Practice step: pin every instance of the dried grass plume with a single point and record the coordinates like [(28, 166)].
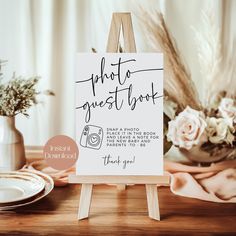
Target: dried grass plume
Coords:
[(178, 85)]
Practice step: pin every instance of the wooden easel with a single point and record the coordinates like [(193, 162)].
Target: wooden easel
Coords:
[(118, 20)]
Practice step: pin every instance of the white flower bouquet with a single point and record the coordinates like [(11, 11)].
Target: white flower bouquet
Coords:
[(203, 137), (204, 129)]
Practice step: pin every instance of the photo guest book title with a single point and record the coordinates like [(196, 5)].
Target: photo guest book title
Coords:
[(119, 113)]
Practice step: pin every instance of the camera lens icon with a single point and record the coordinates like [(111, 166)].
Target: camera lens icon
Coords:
[(94, 140), (91, 137)]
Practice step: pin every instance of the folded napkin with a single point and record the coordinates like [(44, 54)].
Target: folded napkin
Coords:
[(216, 183)]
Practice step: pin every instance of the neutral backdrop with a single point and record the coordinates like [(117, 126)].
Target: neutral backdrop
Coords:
[(41, 37)]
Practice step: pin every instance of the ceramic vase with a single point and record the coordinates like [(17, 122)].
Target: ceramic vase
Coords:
[(12, 151)]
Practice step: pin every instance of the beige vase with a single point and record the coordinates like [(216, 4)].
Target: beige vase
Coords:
[(12, 151), (213, 154)]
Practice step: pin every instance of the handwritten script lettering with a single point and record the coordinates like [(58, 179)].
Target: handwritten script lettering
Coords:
[(122, 94)]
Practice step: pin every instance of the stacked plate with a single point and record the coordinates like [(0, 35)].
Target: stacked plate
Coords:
[(20, 188)]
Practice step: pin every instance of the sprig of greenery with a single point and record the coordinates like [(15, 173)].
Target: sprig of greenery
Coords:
[(18, 95)]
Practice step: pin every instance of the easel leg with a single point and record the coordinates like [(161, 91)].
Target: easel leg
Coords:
[(121, 187), (85, 201), (152, 201)]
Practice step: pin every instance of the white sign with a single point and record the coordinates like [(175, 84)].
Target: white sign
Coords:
[(119, 113)]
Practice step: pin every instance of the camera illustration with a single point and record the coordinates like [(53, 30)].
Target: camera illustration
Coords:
[(91, 137)]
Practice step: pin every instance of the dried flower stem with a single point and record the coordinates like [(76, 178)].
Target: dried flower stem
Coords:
[(18, 95), (179, 86)]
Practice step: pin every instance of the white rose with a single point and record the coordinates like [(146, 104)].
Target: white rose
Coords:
[(187, 128), (219, 130), (227, 108)]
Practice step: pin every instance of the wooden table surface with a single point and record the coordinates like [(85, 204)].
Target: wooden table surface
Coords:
[(116, 212), (119, 213)]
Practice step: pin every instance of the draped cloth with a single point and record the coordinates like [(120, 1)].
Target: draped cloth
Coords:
[(216, 183)]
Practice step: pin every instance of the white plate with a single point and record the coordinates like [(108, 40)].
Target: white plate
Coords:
[(49, 185), (18, 186)]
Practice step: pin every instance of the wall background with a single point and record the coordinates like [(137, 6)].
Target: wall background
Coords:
[(40, 37)]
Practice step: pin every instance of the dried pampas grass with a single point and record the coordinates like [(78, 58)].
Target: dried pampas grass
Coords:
[(208, 42), (178, 85), (217, 64)]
